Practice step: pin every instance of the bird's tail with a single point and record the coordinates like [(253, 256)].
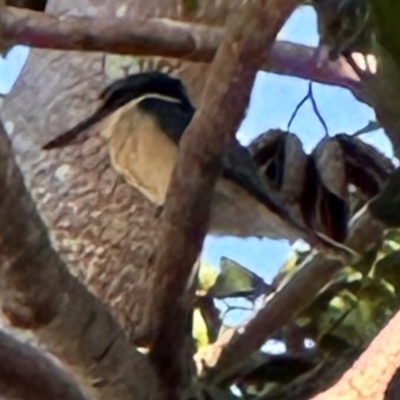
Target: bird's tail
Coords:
[(67, 137), (112, 97)]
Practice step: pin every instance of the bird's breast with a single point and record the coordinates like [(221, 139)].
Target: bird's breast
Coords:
[(141, 153)]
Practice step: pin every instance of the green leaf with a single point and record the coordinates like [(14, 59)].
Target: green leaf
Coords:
[(347, 280), (365, 264), (235, 280), (286, 271), (392, 235), (191, 5), (354, 317), (388, 268), (200, 331), (387, 18), (207, 276)]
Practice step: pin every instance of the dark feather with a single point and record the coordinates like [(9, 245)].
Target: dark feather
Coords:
[(173, 119), (121, 92)]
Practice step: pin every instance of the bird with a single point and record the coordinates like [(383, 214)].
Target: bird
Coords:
[(143, 116)]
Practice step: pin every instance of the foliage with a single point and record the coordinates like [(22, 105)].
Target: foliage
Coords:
[(346, 314), (387, 18)]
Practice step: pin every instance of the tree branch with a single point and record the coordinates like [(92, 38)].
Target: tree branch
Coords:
[(249, 37), (25, 373), (294, 297), (158, 37), (371, 374), (134, 36), (38, 293)]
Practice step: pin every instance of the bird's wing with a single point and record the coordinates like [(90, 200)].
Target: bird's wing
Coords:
[(134, 87), (112, 97)]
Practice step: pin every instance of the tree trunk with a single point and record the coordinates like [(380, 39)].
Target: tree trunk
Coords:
[(103, 228)]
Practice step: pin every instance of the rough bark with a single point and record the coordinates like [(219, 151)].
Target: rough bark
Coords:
[(26, 373), (132, 36), (38, 293), (371, 374), (102, 227), (296, 295), (187, 41), (161, 37)]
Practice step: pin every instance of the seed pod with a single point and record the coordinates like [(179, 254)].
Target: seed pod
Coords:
[(268, 154), (330, 163), (324, 202), (282, 162), (366, 168)]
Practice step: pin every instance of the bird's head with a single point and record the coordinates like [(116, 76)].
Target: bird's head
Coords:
[(144, 85), (154, 92)]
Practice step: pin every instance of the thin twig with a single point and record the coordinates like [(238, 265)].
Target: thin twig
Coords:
[(309, 96), (316, 110), (297, 109)]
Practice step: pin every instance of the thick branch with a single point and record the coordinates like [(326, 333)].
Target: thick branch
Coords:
[(25, 373), (249, 37), (38, 293), (134, 36), (372, 372), (160, 37), (296, 295)]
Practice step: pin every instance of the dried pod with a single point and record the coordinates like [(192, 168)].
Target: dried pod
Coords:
[(267, 151), (330, 163), (282, 162), (324, 203), (366, 168)]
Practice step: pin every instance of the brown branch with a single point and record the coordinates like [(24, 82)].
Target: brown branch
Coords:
[(160, 37), (294, 297), (39, 294), (25, 373), (4, 44), (370, 375), (134, 36), (299, 61), (249, 37)]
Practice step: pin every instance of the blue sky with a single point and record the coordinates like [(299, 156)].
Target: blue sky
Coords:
[(273, 100)]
